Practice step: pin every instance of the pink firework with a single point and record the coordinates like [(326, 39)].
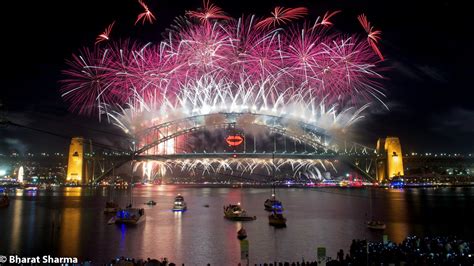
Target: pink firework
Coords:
[(235, 63), (373, 36), (104, 36), (325, 21), (146, 15), (282, 15), (88, 82), (208, 12)]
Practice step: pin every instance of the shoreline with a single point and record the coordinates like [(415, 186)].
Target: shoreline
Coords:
[(266, 186)]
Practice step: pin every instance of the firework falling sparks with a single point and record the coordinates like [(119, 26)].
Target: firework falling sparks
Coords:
[(238, 166), (146, 16), (210, 63), (373, 36), (281, 16), (105, 36), (325, 21), (208, 12)]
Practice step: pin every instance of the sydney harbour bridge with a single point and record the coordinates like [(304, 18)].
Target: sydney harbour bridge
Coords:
[(221, 94), (242, 142)]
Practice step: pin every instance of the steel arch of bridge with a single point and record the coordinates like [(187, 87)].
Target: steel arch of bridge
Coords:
[(329, 147), (304, 133)]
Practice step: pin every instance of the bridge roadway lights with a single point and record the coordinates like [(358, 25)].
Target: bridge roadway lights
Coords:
[(308, 134)]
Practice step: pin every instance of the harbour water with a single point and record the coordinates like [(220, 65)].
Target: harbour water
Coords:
[(70, 222)]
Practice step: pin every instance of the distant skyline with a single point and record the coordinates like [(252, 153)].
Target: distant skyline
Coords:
[(427, 46)]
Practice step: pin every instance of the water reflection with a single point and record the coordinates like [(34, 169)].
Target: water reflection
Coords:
[(73, 191), (17, 220), (123, 232), (69, 230), (316, 217), (398, 227)]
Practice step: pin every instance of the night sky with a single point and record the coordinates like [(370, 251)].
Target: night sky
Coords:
[(428, 46)]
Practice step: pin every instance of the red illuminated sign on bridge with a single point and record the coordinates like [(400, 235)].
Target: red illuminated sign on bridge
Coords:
[(234, 140)]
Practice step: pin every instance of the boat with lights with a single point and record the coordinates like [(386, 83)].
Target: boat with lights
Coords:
[(235, 212), (277, 219), (129, 215), (179, 204)]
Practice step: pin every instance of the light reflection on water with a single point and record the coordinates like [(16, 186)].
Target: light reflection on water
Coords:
[(70, 222)]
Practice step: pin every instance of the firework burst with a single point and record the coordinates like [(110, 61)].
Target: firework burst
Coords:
[(104, 36), (325, 21), (208, 12), (281, 15), (210, 63), (146, 16), (373, 35)]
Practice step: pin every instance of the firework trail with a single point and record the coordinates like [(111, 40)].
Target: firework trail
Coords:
[(325, 21), (104, 36), (281, 16), (146, 15), (208, 12), (230, 65), (210, 63), (373, 36)]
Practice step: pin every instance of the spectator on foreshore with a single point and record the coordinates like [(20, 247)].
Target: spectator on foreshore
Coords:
[(340, 255)]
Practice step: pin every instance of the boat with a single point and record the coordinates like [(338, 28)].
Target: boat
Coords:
[(31, 188), (373, 223), (397, 183), (272, 204), (179, 204), (376, 225), (277, 219), (236, 213), (128, 215), (150, 202), (4, 201), (242, 234), (111, 207), (206, 205)]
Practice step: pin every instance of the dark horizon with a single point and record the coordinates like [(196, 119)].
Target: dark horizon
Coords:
[(427, 68)]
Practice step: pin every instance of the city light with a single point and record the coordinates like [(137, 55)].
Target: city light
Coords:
[(297, 131)]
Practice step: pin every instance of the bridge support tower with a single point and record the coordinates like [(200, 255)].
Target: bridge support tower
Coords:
[(75, 165), (389, 158)]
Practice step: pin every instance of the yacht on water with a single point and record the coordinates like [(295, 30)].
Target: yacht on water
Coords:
[(111, 207), (242, 234), (179, 204), (277, 219), (272, 204), (128, 215), (236, 213), (376, 225), (150, 202)]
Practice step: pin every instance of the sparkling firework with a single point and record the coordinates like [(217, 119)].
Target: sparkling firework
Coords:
[(146, 15), (208, 12), (373, 36), (215, 64), (238, 166), (105, 35), (325, 21), (281, 16)]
